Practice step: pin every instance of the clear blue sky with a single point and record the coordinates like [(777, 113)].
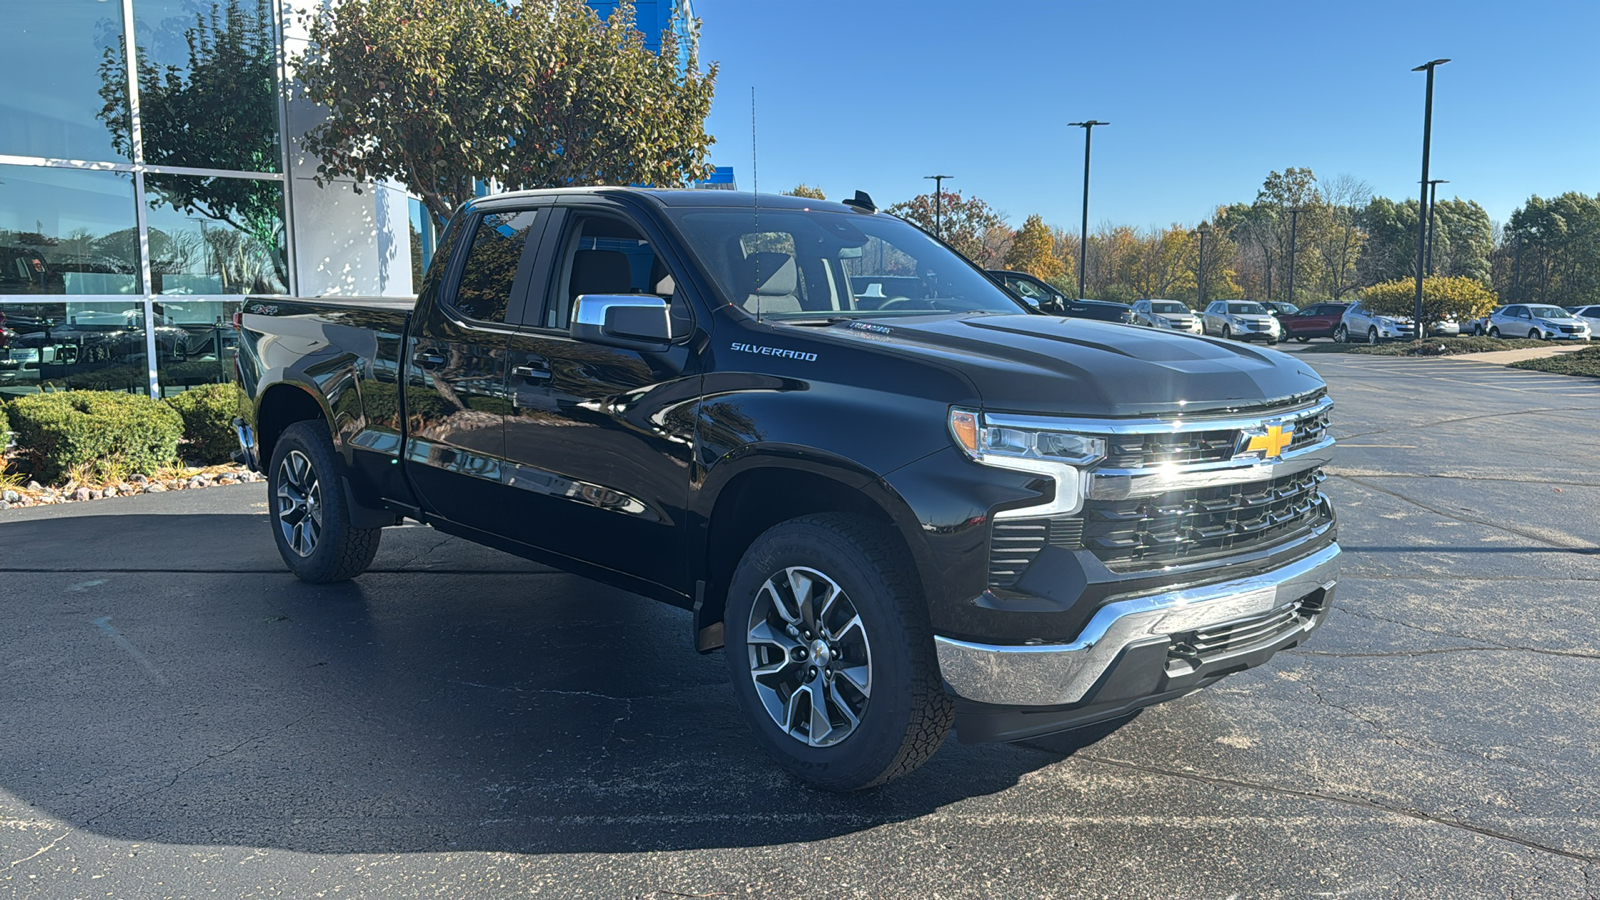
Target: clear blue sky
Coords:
[(1204, 99)]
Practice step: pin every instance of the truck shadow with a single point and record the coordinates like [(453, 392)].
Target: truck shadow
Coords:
[(415, 709)]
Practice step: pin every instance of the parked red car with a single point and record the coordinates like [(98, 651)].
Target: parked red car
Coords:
[(1317, 320)]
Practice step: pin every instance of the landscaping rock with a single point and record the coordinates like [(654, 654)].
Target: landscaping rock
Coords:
[(139, 479), (156, 488), (10, 496), (80, 494), (96, 494), (35, 486), (4, 505), (110, 491), (199, 481), (124, 488)]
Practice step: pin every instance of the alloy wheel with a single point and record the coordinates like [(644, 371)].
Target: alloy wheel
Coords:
[(299, 503), (809, 655)]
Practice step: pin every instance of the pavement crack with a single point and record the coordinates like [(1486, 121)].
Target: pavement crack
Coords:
[(210, 758), (42, 850), (1574, 547), (1487, 645), (1356, 802)]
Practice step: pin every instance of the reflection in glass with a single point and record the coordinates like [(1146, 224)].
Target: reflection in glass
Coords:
[(54, 103), (77, 346), (206, 345), (234, 245), (67, 231), (207, 73)]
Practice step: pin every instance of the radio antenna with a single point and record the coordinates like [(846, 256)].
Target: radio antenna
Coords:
[(755, 198)]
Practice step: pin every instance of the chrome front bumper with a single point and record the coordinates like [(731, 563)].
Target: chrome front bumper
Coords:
[(1060, 674)]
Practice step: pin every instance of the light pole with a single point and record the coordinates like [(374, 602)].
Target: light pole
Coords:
[(1422, 220), (1294, 221), (1083, 232), (1433, 204), (1203, 230), (938, 212)]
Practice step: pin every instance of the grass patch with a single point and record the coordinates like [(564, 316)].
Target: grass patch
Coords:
[(1435, 346), (1578, 362)]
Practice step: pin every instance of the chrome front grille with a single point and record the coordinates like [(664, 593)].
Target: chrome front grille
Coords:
[(1179, 526), (1137, 451)]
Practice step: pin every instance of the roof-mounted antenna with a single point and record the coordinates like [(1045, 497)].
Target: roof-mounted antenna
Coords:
[(861, 202)]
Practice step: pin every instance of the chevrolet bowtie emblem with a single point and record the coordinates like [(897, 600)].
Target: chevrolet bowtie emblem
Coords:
[(1270, 442)]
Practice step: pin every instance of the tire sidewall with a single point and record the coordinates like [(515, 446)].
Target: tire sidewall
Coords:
[(872, 748), (324, 560)]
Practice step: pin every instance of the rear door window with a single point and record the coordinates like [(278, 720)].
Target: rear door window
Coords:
[(497, 265)]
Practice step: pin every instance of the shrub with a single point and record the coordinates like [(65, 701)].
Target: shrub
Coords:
[(1454, 295), (208, 413), (5, 426), (107, 433)]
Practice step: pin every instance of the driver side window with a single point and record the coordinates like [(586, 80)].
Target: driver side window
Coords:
[(605, 255)]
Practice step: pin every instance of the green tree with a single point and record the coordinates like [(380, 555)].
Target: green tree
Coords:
[(1555, 250), (806, 191), (1033, 251), (964, 221), (1452, 295), (442, 94)]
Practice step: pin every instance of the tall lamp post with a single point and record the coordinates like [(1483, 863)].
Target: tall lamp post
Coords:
[(1426, 211), (938, 212), (1433, 204), (1203, 230), (1294, 221), (1083, 232)]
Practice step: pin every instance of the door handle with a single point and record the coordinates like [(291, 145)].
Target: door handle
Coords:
[(428, 360), (532, 373)]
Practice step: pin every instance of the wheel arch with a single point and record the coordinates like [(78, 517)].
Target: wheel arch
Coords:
[(281, 405), (765, 490)]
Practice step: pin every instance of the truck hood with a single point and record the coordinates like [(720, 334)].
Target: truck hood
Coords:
[(1044, 365)]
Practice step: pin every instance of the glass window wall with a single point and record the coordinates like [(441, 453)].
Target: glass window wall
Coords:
[(65, 97), (196, 343), (67, 231), (75, 346), (216, 235), (207, 78)]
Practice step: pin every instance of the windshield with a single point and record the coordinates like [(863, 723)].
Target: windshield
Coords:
[(1549, 312), (802, 264), (1168, 308), (1246, 309)]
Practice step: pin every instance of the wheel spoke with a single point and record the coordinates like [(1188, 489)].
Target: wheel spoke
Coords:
[(771, 591), (764, 633), (789, 708), (821, 726), (802, 585), (853, 625), (815, 685), (834, 593), (844, 708), (860, 678)]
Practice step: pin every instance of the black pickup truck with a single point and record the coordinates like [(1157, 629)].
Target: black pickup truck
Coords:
[(898, 498)]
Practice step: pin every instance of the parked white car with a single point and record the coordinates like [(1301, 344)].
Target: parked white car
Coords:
[(1242, 320), (1539, 321), (1359, 324), (1590, 316), (1166, 314)]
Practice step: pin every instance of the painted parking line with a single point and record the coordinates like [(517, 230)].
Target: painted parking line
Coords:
[(104, 624)]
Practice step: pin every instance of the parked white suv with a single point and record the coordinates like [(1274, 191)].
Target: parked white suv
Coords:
[(1358, 323), (1166, 314), (1590, 315), (1241, 319), (1539, 321)]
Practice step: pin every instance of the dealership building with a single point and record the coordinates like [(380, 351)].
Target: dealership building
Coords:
[(143, 193)]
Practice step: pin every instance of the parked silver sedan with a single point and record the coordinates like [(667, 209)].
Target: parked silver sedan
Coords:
[(1166, 314), (1538, 321)]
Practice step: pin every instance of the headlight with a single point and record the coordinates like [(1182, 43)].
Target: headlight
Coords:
[(980, 440), (1163, 322)]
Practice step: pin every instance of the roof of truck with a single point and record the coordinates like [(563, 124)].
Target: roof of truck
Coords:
[(686, 197)]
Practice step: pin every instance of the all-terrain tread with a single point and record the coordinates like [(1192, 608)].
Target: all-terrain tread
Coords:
[(932, 712)]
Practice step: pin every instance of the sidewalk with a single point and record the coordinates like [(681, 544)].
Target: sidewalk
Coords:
[(1505, 357)]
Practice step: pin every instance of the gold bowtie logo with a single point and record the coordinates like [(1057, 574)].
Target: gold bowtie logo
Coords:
[(1271, 444)]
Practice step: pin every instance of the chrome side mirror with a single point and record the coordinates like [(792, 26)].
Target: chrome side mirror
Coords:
[(630, 321)]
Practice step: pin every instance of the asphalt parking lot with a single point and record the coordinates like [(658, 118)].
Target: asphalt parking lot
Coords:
[(179, 717)]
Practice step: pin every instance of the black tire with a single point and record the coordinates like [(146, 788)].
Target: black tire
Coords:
[(1341, 335), (1372, 334), (1534, 335), (1227, 333), (314, 534), (1494, 331), (1302, 338), (904, 715)]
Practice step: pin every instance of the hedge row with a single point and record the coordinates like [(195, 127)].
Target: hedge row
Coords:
[(111, 434)]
